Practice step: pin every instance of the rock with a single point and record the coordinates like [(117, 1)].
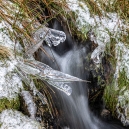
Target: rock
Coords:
[(105, 114)]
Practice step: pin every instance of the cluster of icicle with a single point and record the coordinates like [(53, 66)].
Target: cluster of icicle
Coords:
[(42, 71)]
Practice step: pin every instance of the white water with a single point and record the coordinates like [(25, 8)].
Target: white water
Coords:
[(75, 112), (75, 107)]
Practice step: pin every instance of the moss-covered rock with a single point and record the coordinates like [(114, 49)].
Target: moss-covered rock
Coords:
[(117, 91), (9, 104)]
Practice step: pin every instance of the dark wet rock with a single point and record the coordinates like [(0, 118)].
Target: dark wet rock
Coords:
[(105, 114)]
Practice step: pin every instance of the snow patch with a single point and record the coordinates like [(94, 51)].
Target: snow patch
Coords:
[(30, 103), (10, 83), (10, 119), (122, 55), (122, 52)]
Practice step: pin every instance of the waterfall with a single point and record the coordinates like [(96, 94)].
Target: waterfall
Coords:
[(72, 59)]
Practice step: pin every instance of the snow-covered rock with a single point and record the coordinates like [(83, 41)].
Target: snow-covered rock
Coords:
[(10, 82), (11, 119)]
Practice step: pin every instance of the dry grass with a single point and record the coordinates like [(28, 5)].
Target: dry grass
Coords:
[(119, 6), (23, 16), (4, 52)]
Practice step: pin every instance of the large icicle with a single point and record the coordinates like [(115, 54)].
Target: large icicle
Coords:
[(51, 36), (46, 73), (61, 86), (51, 74)]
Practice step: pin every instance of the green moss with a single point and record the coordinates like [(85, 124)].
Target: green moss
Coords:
[(9, 104), (110, 98), (111, 94), (39, 84), (123, 81)]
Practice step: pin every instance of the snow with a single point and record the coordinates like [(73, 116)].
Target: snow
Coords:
[(11, 119), (122, 56), (30, 103), (122, 52), (4, 38), (10, 83), (102, 28), (123, 107)]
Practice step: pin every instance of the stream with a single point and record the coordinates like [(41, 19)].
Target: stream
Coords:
[(73, 58)]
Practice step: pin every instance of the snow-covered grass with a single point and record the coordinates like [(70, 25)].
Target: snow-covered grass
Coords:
[(122, 82), (11, 119), (101, 29), (10, 83)]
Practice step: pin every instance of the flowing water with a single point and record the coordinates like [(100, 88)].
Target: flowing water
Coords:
[(74, 60)]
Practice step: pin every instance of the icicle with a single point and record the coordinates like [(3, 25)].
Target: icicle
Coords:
[(28, 69), (51, 36), (42, 98), (46, 73), (30, 103), (51, 74), (61, 86), (30, 83), (55, 37), (33, 48)]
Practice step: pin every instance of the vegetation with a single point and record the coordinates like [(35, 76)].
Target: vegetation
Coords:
[(4, 52), (9, 104), (29, 13)]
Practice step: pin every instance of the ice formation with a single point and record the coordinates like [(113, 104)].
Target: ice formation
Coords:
[(61, 86), (28, 81), (51, 36), (11, 119), (48, 73), (53, 77)]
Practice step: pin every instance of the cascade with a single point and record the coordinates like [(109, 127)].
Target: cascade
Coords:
[(72, 58)]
